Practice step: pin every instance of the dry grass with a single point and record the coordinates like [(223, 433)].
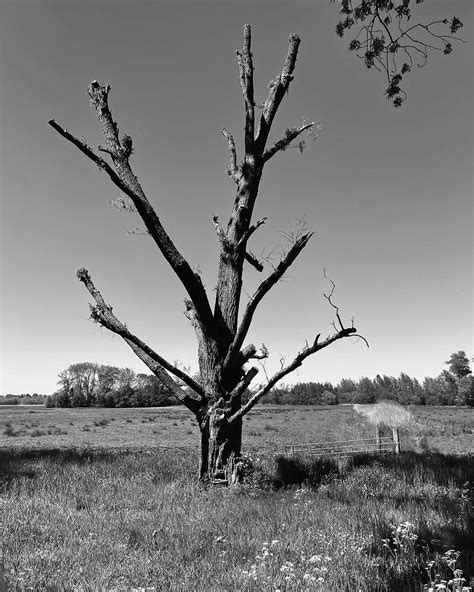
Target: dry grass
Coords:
[(387, 414)]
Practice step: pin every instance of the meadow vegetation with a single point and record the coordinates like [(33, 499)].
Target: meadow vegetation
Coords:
[(118, 506)]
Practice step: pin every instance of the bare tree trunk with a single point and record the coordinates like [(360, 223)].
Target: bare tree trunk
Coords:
[(221, 444), (216, 398)]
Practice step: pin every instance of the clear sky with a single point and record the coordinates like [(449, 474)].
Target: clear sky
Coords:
[(388, 192)]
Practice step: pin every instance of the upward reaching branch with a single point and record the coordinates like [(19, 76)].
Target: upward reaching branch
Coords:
[(301, 356), (245, 61), (125, 180), (261, 291), (278, 88)]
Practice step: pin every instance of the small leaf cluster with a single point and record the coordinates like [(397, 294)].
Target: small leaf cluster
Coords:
[(382, 37)]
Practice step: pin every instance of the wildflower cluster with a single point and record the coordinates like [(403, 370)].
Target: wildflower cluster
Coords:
[(446, 563), (441, 570), (400, 552), (303, 573), (402, 540)]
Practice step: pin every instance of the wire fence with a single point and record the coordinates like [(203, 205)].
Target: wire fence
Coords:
[(343, 447)]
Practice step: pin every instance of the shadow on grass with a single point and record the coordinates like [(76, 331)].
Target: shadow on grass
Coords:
[(26, 463), (442, 469), (164, 465)]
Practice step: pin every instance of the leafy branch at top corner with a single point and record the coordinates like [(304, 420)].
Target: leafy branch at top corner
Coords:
[(388, 41)]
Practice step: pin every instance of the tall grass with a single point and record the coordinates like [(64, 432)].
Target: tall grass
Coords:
[(110, 521)]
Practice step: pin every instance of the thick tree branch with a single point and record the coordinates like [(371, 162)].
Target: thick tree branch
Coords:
[(250, 353), (250, 258), (301, 356), (245, 62), (261, 291), (247, 353), (244, 383), (102, 313), (277, 89), (126, 181), (190, 402), (283, 144)]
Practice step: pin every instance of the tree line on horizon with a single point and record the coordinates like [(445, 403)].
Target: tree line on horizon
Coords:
[(452, 387), (87, 384)]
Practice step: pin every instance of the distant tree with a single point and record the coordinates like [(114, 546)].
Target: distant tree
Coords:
[(347, 385), (366, 391), (124, 396), (80, 382), (112, 387), (78, 397), (386, 39), (465, 392), (441, 390), (61, 398), (329, 398), (276, 396), (347, 391), (459, 364), (386, 387), (409, 390), (305, 393)]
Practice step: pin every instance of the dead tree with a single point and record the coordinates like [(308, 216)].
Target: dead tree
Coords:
[(225, 372)]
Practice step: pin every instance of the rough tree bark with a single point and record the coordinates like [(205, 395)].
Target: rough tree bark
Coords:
[(216, 398)]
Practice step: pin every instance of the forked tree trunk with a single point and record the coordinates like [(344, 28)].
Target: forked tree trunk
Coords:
[(216, 399)]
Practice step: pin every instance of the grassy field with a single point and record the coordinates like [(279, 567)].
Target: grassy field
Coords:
[(98, 499), (267, 429)]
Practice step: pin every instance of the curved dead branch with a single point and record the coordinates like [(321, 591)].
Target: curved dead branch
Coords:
[(300, 357), (277, 89)]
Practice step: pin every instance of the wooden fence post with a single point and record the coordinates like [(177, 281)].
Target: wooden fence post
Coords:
[(396, 439), (377, 436)]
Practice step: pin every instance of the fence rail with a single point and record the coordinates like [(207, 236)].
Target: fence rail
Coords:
[(343, 447)]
